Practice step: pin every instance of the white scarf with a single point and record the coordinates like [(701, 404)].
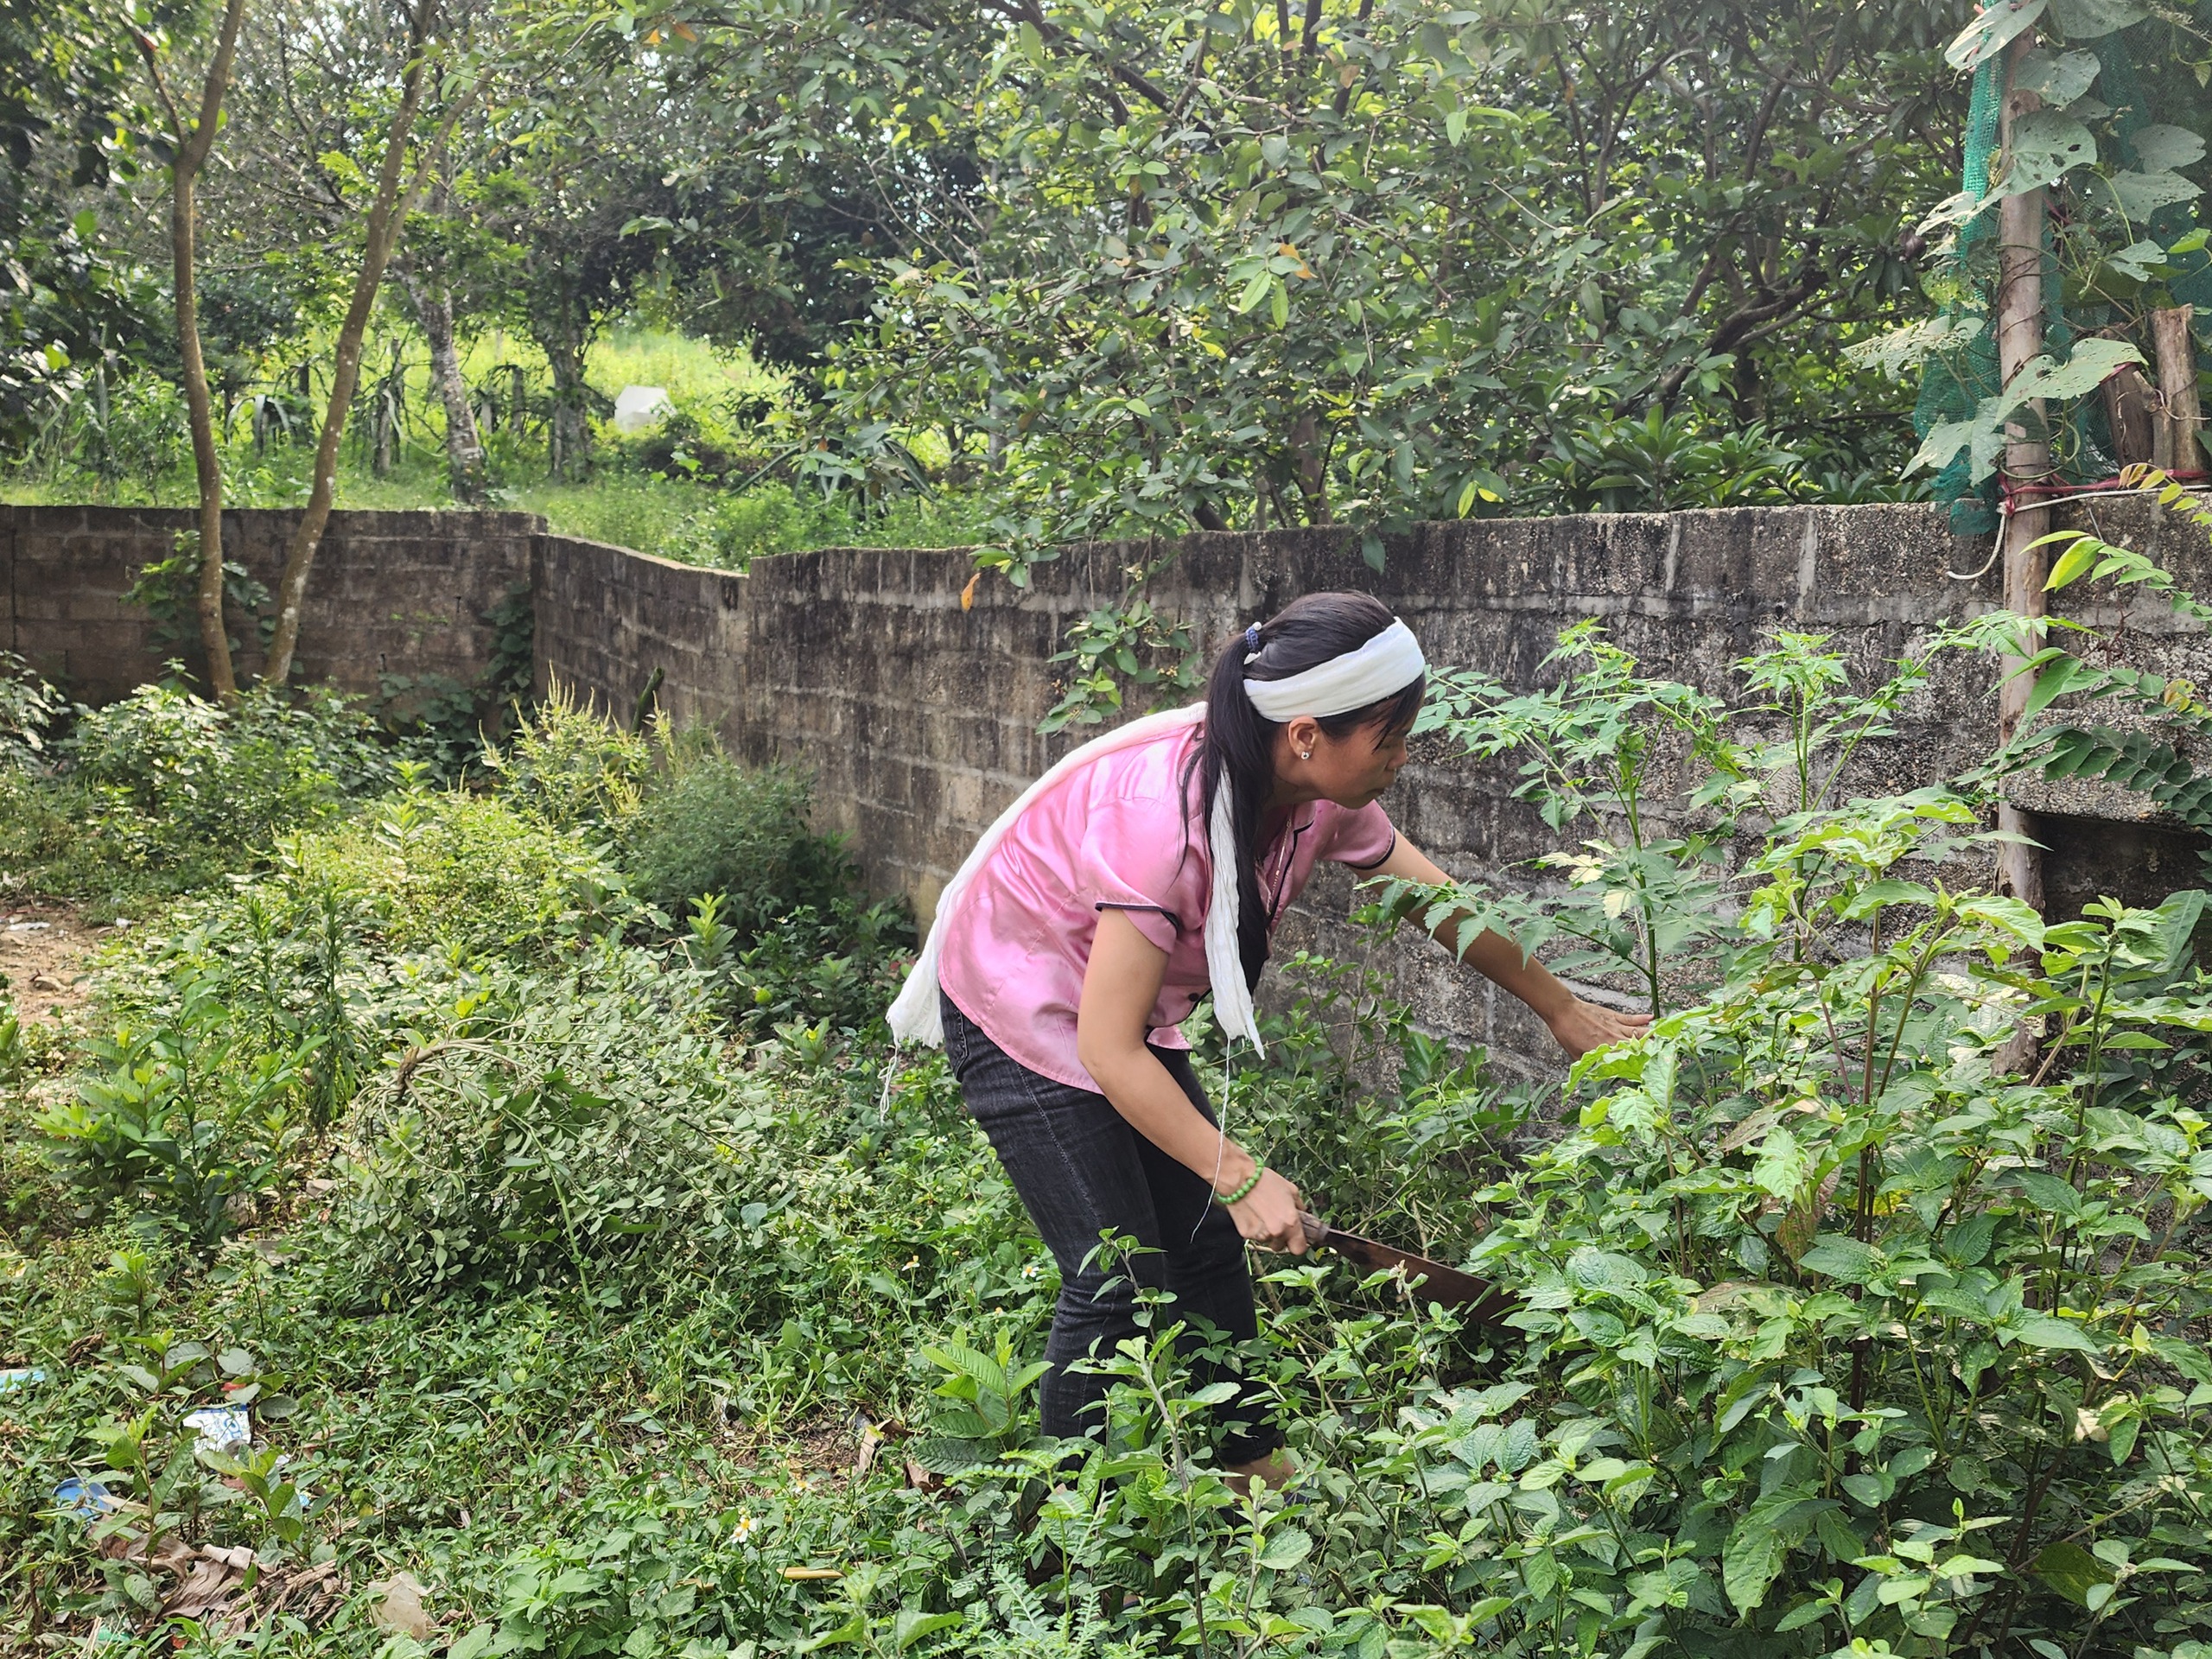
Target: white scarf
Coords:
[(1390, 662)]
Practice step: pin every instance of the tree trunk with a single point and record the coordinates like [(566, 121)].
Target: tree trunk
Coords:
[(564, 340), (433, 299), (2178, 448), (1311, 457), (387, 216), (383, 429), (192, 151), (464, 447), (2027, 463), (2128, 412)]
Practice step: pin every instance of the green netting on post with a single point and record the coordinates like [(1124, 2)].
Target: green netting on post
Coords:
[(2124, 91), (1956, 381)]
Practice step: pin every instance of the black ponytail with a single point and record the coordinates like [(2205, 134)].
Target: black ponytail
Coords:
[(1240, 741)]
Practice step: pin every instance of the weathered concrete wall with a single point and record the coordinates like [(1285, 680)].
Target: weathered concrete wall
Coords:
[(917, 716), (391, 594)]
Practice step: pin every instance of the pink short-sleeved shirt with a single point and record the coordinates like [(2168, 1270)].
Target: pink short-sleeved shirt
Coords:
[(1116, 834)]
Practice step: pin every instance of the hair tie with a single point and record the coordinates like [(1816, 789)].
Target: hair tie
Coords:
[(1251, 642)]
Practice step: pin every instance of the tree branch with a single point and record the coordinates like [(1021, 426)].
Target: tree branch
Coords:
[(212, 90), (145, 46), (1739, 324), (1027, 11), (1344, 93)]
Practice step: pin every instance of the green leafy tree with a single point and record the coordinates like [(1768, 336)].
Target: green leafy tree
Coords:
[(69, 294), (1264, 263)]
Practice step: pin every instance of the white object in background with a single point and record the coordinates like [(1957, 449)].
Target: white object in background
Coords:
[(221, 1429), (637, 408)]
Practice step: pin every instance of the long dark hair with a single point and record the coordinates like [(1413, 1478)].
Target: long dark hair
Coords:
[(1240, 740)]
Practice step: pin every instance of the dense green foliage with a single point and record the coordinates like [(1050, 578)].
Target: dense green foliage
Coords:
[(1238, 264), (1131, 267), (678, 489), (164, 792), (596, 1266)]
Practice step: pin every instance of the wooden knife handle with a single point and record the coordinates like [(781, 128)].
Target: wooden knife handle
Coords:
[(1316, 1231)]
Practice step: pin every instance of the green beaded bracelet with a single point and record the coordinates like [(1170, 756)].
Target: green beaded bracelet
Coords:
[(1245, 1191)]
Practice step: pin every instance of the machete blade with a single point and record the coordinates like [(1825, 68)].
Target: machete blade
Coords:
[(1476, 1301)]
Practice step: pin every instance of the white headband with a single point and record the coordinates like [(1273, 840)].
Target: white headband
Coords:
[(1390, 662)]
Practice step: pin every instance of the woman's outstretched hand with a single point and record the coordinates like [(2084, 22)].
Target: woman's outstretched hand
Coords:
[(1580, 1027), (1268, 1216)]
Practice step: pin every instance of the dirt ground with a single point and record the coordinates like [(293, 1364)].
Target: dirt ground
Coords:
[(43, 945)]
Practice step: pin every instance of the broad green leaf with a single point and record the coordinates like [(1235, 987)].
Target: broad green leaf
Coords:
[(1594, 1269), (2046, 146), (1286, 1548), (1841, 1256), (1953, 211), (2092, 363), (2042, 1331), (2138, 260), (913, 1624), (1750, 1563), (2073, 563), (1837, 1537), (2072, 1571), (1866, 1490), (1991, 33), (1907, 347), (2055, 681), (2056, 78), (2166, 149), (1944, 440), (2141, 194), (1782, 1166), (2008, 915), (1804, 1613)]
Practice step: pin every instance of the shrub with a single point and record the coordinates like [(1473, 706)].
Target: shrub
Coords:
[(583, 1127), (826, 972), (545, 1133), (712, 826), (186, 1117), (28, 707), (1844, 1326), (189, 771), (571, 765), (163, 791), (467, 876)]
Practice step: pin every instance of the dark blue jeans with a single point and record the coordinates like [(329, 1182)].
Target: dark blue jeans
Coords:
[(1081, 1170)]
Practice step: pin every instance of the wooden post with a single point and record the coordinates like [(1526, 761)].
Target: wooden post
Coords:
[(2027, 463), (2131, 409), (2182, 417)]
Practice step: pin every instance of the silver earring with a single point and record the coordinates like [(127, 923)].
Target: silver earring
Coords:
[(1305, 754)]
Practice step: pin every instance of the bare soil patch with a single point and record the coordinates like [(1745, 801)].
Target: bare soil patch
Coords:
[(44, 943)]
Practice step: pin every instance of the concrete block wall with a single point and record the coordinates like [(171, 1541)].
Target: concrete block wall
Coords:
[(393, 594), (918, 715)]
